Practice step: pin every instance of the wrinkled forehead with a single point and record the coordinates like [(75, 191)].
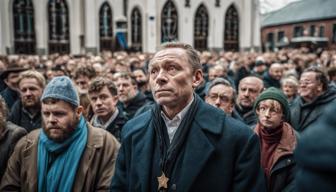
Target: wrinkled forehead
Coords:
[(168, 54)]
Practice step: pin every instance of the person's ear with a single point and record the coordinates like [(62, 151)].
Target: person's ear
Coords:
[(79, 111), (197, 78)]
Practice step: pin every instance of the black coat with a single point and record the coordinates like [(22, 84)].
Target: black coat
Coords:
[(283, 174), (10, 96), (8, 138), (116, 125), (137, 102), (220, 154), (21, 118), (270, 81), (316, 155), (249, 117), (305, 114)]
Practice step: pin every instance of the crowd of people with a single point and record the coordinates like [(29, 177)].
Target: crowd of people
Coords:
[(175, 120)]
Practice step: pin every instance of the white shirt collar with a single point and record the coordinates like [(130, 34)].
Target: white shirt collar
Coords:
[(173, 124)]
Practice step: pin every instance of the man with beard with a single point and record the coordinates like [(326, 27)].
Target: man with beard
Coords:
[(26, 112), (131, 99), (9, 135), (249, 89), (67, 154), (183, 143), (103, 96)]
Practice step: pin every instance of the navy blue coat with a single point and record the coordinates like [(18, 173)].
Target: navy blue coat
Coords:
[(220, 154)]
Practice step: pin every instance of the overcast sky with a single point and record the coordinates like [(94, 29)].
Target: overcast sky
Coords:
[(272, 5)]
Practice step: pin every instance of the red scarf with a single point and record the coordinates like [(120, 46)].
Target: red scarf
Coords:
[(269, 140)]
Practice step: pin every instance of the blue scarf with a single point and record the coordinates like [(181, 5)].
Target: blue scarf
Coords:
[(61, 174)]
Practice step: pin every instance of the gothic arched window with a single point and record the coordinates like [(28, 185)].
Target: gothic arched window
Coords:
[(169, 22), (24, 31), (201, 25), (105, 27), (231, 34), (59, 40), (136, 29)]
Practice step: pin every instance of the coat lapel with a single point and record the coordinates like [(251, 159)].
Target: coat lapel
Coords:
[(197, 152), (143, 154)]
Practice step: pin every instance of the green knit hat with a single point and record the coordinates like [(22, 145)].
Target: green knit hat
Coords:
[(275, 94)]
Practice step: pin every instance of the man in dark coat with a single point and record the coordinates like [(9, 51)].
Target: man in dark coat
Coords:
[(10, 77), (9, 135), (314, 95), (273, 76), (316, 155), (130, 98), (26, 112), (103, 97), (249, 89), (183, 143)]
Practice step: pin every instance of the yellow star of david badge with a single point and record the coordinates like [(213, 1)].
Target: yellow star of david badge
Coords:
[(163, 181)]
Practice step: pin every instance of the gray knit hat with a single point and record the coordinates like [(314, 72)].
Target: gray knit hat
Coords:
[(275, 94), (61, 88)]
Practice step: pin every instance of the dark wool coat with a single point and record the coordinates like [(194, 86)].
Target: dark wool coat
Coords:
[(10, 96), (249, 118), (94, 173), (138, 101), (23, 119), (305, 114), (270, 81), (8, 138), (316, 155), (220, 154), (116, 125)]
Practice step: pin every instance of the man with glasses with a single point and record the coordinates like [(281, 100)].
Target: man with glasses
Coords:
[(314, 95), (221, 94)]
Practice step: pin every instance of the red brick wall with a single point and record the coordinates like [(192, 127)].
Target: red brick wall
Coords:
[(289, 30)]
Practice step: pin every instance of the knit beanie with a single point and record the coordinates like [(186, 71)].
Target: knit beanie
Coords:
[(61, 88), (274, 94)]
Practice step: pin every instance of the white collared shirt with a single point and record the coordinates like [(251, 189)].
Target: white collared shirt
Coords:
[(96, 122), (173, 124)]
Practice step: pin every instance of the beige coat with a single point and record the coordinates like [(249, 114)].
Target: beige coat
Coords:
[(94, 172)]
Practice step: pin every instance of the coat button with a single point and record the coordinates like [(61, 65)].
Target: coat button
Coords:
[(173, 187), (289, 161)]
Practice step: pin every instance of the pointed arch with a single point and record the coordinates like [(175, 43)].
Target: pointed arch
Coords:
[(136, 29), (201, 25), (59, 31), (24, 31), (231, 32), (105, 27), (169, 22)]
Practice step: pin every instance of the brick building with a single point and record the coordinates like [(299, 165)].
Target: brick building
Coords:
[(310, 23)]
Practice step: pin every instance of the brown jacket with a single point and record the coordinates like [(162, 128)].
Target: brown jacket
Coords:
[(94, 172)]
